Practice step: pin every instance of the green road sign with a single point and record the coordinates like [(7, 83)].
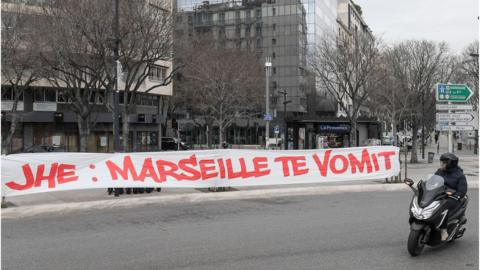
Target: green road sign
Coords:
[(453, 92)]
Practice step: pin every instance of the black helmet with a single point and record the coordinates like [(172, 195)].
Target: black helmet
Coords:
[(450, 159)]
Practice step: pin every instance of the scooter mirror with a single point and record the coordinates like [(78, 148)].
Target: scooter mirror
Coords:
[(408, 181)]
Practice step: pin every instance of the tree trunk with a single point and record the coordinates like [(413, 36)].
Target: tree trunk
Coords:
[(353, 133), (125, 131), (83, 132), (209, 134), (394, 130), (220, 135), (6, 143), (160, 135), (414, 158)]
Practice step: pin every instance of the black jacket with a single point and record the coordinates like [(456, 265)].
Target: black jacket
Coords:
[(454, 179)]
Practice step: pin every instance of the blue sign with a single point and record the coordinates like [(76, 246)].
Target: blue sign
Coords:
[(442, 88), (276, 130), (268, 117), (335, 128)]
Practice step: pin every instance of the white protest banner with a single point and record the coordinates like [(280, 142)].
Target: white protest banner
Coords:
[(41, 172)]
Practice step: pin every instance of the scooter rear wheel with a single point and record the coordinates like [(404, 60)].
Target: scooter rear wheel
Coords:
[(415, 242)]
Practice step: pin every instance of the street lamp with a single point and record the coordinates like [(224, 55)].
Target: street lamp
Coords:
[(475, 149), (268, 67), (116, 124), (285, 102)]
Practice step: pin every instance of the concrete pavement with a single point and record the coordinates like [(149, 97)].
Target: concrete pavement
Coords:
[(357, 231)]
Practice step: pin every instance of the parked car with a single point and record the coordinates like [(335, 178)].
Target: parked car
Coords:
[(171, 144), (372, 142), (42, 148), (387, 140)]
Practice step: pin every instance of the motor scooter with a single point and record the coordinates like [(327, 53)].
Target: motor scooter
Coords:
[(427, 212)]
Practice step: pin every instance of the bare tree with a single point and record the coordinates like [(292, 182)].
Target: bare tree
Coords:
[(223, 85), (145, 35), (345, 68), (387, 101), (20, 62), (74, 55), (417, 67), (469, 67), (85, 55)]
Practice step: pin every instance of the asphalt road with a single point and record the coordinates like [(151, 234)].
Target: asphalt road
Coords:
[(340, 231)]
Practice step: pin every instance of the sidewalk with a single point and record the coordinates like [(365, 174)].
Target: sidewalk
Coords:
[(468, 162)]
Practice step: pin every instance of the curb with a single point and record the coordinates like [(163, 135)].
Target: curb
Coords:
[(35, 210)]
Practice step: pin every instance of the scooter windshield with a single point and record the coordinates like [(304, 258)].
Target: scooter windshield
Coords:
[(431, 189)]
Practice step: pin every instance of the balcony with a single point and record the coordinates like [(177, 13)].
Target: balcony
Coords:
[(45, 106), (7, 105)]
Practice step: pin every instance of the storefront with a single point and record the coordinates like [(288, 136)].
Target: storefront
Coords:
[(329, 133)]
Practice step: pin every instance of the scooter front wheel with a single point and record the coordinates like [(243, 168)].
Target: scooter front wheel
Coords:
[(415, 242)]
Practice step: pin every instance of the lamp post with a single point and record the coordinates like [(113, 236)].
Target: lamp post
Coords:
[(268, 66), (475, 149), (285, 102), (116, 124)]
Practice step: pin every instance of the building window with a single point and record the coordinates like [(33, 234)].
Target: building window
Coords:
[(273, 55), (274, 41), (247, 31), (258, 30), (274, 27), (221, 17), (146, 99), (259, 13), (274, 12), (247, 14), (237, 15), (274, 70), (157, 73), (8, 94), (221, 31), (45, 95), (259, 43), (63, 96)]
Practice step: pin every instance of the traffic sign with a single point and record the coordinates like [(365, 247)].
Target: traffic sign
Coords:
[(449, 117), (453, 92), (276, 130), (456, 128), (460, 123), (457, 107), (268, 117)]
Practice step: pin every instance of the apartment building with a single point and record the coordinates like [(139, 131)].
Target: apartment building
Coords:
[(46, 116)]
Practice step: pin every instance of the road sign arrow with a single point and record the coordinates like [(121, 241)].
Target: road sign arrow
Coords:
[(458, 107), (449, 117), (453, 92), (456, 128)]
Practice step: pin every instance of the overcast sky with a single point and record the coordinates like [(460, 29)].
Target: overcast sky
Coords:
[(452, 21)]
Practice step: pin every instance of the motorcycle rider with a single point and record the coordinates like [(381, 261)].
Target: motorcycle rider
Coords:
[(456, 184)]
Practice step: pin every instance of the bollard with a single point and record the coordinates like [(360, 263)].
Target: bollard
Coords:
[(431, 155), (4, 202)]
